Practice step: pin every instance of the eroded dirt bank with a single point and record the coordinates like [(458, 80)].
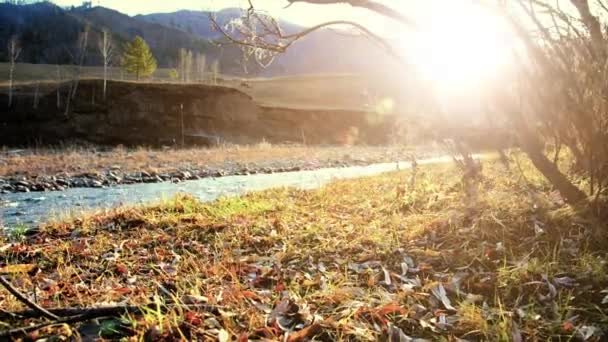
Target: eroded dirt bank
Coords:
[(152, 114)]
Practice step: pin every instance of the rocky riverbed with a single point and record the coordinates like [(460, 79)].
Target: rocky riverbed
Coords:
[(112, 175)]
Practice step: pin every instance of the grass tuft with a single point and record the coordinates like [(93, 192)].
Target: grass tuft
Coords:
[(356, 260)]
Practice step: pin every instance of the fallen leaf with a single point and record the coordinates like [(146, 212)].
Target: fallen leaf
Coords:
[(515, 333), (191, 299), (439, 293), (122, 290), (567, 326), (391, 309), (395, 334), (193, 318), (223, 336), (306, 333), (387, 277), (565, 282), (121, 269), (285, 314), (586, 332)]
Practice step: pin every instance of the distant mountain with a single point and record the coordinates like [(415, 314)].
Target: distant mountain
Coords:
[(163, 40), (49, 34), (193, 22), (323, 51), (44, 30)]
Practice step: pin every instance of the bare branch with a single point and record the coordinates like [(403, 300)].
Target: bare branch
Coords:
[(278, 43), (42, 311), (367, 4)]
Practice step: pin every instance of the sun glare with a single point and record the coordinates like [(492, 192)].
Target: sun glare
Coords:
[(462, 46)]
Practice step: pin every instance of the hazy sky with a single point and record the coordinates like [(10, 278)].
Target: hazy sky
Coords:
[(298, 13)]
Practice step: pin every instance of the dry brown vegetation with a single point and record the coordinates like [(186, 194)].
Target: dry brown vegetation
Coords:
[(76, 160), (381, 258)]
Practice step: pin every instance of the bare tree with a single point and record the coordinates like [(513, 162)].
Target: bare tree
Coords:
[(215, 71), (106, 49), (201, 65), (78, 57), (188, 64), (559, 73), (181, 62), (14, 50), (59, 80)]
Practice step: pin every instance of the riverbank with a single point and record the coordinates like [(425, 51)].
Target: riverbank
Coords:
[(92, 167), (406, 254)]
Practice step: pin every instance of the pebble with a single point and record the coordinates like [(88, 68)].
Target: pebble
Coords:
[(96, 184), (114, 176), (22, 188)]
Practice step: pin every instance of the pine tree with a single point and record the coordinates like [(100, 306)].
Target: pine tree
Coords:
[(138, 59)]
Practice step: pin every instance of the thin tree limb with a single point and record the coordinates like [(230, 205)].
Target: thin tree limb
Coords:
[(292, 38), (77, 315), (42, 311), (367, 4), (103, 311)]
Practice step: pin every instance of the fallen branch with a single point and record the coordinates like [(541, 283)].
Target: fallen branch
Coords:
[(35, 307), (105, 310), (76, 315), (63, 320)]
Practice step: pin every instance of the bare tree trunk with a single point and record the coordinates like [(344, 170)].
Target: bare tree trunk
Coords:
[(13, 54), (592, 24), (68, 100), (83, 42), (36, 95), (201, 62), (58, 87), (105, 80), (106, 49), (181, 112), (10, 84), (533, 148)]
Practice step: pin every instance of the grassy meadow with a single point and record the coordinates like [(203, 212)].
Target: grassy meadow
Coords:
[(410, 254)]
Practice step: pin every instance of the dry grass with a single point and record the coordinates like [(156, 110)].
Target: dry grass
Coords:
[(78, 160), (356, 260)]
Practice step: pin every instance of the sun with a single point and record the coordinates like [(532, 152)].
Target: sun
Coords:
[(461, 46)]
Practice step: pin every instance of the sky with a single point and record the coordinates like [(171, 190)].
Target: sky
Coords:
[(303, 14)]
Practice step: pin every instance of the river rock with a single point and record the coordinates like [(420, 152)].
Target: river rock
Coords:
[(186, 175), (62, 182), (114, 178), (22, 183), (21, 188), (96, 184), (40, 187)]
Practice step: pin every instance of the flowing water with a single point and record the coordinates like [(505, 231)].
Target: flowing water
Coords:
[(33, 208)]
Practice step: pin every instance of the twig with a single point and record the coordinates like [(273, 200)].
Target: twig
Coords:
[(35, 307), (105, 310), (76, 315), (63, 320)]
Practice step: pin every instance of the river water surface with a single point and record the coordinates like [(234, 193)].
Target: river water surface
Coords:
[(34, 208)]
